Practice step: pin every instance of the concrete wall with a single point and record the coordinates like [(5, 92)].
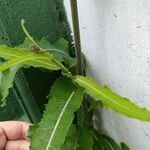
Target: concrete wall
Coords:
[(115, 37)]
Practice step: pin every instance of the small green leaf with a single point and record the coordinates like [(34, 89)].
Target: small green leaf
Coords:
[(111, 141), (85, 139), (61, 44), (26, 98), (81, 117), (71, 141), (124, 147), (6, 82), (60, 50), (95, 105), (78, 139), (63, 102), (12, 110), (103, 143), (111, 100), (96, 146)]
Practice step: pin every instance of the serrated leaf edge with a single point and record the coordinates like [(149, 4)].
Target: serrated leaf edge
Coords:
[(59, 119), (81, 81), (112, 103)]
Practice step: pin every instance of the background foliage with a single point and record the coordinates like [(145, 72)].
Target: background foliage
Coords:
[(45, 18)]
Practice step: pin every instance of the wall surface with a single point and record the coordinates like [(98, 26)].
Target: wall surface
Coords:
[(115, 37)]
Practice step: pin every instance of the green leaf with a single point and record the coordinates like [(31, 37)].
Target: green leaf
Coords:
[(60, 51), (85, 139), (95, 105), (111, 141), (18, 56), (111, 100), (64, 100), (96, 146), (9, 53), (124, 147), (6, 82), (78, 139), (61, 44), (12, 109), (103, 143), (26, 98), (71, 141), (11, 63), (81, 117)]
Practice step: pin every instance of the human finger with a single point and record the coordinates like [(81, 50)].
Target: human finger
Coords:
[(17, 145), (15, 129), (2, 139)]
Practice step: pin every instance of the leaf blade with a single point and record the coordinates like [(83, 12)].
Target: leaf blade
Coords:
[(111, 100), (13, 62), (60, 51), (6, 82), (71, 141), (9, 53), (124, 147), (78, 138), (64, 101), (58, 121), (26, 98), (18, 56)]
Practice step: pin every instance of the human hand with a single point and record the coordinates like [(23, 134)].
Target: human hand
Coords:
[(14, 135)]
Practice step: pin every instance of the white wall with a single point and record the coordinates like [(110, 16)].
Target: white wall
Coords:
[(115, 37)]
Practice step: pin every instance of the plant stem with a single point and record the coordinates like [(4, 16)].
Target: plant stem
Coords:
[(75, 20), (76, 29), (28, 35), (26, 32)]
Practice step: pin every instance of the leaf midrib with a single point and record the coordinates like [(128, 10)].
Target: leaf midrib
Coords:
[(57, 50), (58, 121), (107, 97), (14, 62), (30, 57)]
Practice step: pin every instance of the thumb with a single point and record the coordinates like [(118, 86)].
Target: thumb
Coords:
[(3, 139)]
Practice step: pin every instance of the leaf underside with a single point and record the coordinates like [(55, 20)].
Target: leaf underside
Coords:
[(64, 100)]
